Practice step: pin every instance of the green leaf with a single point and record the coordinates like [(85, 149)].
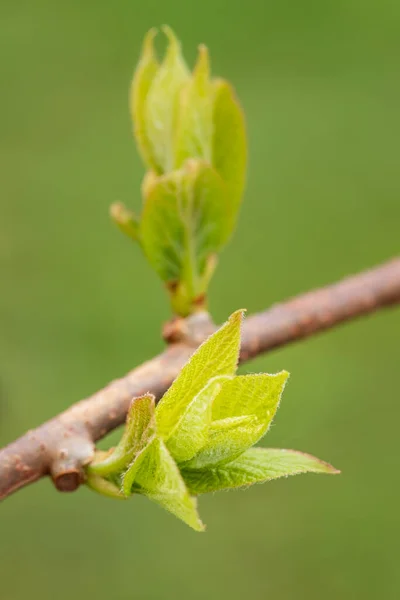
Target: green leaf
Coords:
[(254, 397), (162, 103), (229, 143), (256, 465), (125, 219), (140, 426), (184, 222), (103, 486), (257, 394), (191, 431), (218, 355), (144, 75), (155, 474), (195, 128), (228, 439)]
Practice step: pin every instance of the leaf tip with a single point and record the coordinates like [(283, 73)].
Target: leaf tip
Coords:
[(174, 45), (202, 66), (148, 44), (237, 316)]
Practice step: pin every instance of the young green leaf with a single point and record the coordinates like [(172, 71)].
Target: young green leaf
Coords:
[(256, 465), (191, 431), (162, 103), (194, 128), (103, 486), (140, 426), (228, 439), (184, 223), (257, 394), (142, 80), (229, 142), (155, 474), (248, 396), (218, 355)]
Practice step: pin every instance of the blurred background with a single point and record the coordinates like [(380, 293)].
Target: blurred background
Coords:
[(320, 85)]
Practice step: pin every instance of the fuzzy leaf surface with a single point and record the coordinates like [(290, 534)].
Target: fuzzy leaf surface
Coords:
[(142, 80), (256, 394), (218, 355), (195, 129), (140, 426), (229, 142), (192, 430), (162, 103), (256, 465), (228, 438), (184, 221), (155, 474)]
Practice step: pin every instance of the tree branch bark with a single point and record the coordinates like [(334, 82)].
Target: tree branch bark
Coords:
[(62, 446)]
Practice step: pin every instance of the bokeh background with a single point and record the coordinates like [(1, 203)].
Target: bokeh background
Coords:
[(320, 85)]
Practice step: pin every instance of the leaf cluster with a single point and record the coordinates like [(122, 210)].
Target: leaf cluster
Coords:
[(199, 438), (190, 132)]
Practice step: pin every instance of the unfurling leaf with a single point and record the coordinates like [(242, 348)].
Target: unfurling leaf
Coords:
[(253, 400), (183, 226), (161, 111), (140, 426), (155, 474), (143, 78), (218, 355), (195, 125), (227, 441), (256, 465), (229, 159), (257, 395), (192, 430)]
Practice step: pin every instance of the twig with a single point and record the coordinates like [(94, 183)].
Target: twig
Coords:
[(62, 446)]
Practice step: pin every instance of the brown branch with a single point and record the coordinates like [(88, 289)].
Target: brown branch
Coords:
[(62, 446)]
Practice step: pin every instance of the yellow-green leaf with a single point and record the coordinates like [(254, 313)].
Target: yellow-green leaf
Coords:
[(184, 222), (253, 400), (142, 80), (103, 486), (191, 431), (229, 142), (140, 426), (256, 465), (155, 474), (162, 103), (195, 128), (218, 355), (256, 394), (227, 440)]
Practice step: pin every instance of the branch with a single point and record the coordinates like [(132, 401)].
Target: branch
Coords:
[(65, 444)]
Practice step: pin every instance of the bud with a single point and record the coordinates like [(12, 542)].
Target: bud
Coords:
[(190, 132)]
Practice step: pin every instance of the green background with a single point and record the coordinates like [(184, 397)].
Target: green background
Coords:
[(320, 85)]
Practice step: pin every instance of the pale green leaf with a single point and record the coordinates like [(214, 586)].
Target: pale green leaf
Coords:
[(191, 432), (228, 438), (249, 396), (255, 394), (155, 474), (194, 129), (229, 143), (139, 427), (218, 355), (142, 80), (256, 465), (184, 222), (162, 103), (103, 486)]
